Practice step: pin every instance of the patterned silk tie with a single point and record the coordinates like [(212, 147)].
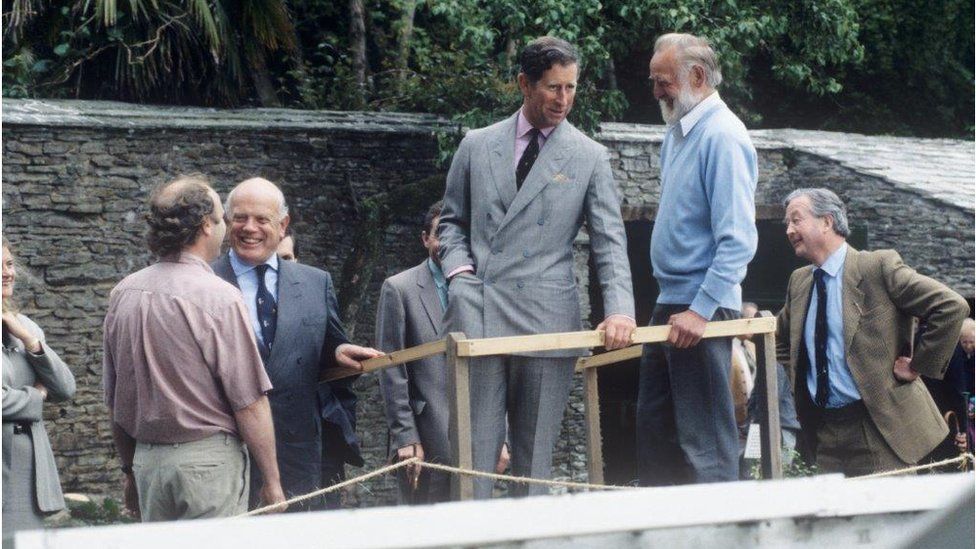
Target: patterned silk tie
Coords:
[(820, 339), (267, 309), (528, 158)]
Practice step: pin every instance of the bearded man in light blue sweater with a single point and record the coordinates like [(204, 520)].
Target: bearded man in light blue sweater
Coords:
[(703, 239)]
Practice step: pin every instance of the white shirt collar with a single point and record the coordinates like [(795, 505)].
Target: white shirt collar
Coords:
[(836, 260), (689, 120)]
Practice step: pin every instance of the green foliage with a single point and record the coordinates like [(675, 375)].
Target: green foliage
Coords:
[(90, 513), (833, 64), (796, 468)]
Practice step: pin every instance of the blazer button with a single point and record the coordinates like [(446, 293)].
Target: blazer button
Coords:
[(542, 222), (525, 254), (521, 285)]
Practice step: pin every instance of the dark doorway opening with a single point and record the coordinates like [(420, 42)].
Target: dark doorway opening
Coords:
[(765, 284)]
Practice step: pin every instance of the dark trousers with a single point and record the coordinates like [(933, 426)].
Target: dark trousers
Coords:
[(686, 429)]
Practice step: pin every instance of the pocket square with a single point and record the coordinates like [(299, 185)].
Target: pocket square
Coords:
[(560, 178)]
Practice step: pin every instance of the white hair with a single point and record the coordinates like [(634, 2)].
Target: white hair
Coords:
[(692, 51), (279, 196)]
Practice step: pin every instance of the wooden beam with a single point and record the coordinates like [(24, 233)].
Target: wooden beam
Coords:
[(388, 360), (594, 438), (594, 338), (610, 357), (462, 486), (767, 384)]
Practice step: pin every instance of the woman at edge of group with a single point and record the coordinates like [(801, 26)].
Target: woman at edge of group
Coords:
[(32, 373)]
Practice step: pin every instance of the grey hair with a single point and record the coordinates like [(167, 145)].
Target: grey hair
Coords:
[(691, 51), (282, 204), (824, 202)]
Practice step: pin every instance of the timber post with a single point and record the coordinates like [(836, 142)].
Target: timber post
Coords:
[(767, 384), (462, 486), (594, 438)]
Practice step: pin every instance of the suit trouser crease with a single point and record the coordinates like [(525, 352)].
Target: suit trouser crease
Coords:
[(534, 392)]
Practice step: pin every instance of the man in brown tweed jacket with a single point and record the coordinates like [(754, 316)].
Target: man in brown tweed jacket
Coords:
[(846, 334)]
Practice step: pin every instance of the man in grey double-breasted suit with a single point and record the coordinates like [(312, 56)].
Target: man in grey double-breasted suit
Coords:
[(517, 194)]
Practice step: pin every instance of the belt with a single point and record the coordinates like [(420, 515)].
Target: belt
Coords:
[(20, 427), (853, 411)]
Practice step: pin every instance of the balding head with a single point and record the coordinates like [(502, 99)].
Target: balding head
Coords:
[(258, 219), (967, 336), (259, 187), (179, 212)]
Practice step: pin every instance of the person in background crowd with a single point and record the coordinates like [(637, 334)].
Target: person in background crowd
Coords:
[(953, 391), (517, 194), (184, 385), (294, 316), (703, 239), (788, 422), (32, 374), (409, 313), (288, 247), (846, 332)]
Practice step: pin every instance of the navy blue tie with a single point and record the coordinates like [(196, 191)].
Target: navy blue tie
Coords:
[(820, 339), (528, 158), (267, 309)]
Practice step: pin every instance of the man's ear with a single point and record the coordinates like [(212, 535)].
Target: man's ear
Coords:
[(523, 83), (697, 77), (207, 227), (284, 225)]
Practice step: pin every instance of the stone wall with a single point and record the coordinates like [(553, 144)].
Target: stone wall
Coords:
[(76, 176)]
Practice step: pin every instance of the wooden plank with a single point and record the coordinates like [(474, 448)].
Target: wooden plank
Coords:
[(594, 338), (389, 360), (767, 384), (462, 486), (594, 438), (611, 357)]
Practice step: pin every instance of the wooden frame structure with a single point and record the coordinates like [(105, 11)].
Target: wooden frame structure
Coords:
[(459, 350)]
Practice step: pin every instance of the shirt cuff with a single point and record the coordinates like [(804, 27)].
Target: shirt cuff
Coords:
[(459, 270), (704, 305), (632, 319)]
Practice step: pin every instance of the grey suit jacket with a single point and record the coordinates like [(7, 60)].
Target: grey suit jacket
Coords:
[(307, 334), (521, 243), (409, 313), (880, 296), (22, 403)]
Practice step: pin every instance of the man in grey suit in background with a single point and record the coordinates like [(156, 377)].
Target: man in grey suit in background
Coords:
[(295, 319), (517, 194), (409, 313)]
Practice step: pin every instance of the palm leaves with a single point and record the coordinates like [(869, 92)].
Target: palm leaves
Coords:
[(171, 51)]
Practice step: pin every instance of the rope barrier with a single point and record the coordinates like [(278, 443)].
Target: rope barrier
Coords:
[(962, 459), (525, 480), (959, 459), (334, 487)]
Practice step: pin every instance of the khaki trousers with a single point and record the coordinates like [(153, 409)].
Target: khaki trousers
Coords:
[(189, 480)]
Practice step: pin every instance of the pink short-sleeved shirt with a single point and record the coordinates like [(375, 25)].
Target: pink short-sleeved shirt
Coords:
[(180, 357)]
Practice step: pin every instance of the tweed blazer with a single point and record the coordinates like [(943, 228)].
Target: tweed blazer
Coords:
[(22, 404), (409, 313), (520, 242), (880, 295), (307, 333)]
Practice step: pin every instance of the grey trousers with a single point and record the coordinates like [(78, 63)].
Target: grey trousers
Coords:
[(201, 479), (686, 430), (533, 392)]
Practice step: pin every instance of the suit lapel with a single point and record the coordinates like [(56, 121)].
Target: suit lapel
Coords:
[(428, 296), (554, 154), (853, 297), (798, 316), (502, 161), (289, 303), (225, 270)]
